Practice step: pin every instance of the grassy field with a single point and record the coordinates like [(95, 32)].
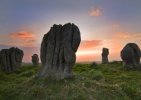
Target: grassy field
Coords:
[(100, 82)]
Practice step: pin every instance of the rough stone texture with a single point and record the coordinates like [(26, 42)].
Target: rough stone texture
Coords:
[(130, 55), (35, 59), (58, 51), (105, 53), (10, 59)]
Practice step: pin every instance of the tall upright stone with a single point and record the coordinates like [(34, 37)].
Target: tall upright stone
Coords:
[(35, 59), (105, 53), (130, 55), (10, 59), (58, 50)]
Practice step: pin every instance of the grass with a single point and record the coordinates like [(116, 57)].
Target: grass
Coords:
[(102, 82)]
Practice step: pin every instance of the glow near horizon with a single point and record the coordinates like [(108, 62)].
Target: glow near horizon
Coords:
[(114, 23)]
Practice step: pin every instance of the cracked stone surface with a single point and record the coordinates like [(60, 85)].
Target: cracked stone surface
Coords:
[(130, 55), (58, 50), (10, 59)]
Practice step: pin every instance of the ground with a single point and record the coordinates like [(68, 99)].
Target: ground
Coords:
[(99, 82)]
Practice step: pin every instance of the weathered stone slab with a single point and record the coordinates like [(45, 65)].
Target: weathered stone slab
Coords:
[(35, 59), (10, 59), (105, 53), (58, 50), (130, 55)]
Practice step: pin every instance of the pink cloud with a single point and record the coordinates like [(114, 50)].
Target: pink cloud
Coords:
[(96, 12)]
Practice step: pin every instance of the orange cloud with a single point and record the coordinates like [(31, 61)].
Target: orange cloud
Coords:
[(89, 45), (96, 12), (22, 38), (22, 35)]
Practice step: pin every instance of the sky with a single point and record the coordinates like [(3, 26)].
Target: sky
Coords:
[(102, 23)]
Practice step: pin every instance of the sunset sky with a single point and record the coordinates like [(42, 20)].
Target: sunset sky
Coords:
[(102, 23)]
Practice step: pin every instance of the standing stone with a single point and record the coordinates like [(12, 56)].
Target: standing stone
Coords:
[(105, 53), (10, 59), (35, 59), (58, 50), (130, 55), (94, 65)]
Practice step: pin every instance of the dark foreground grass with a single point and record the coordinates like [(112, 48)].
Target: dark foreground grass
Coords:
[(101, 82)]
